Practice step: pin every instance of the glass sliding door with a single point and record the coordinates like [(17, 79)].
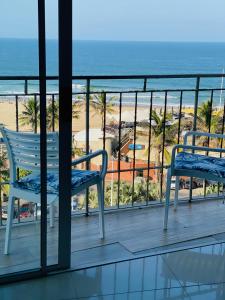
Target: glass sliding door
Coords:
[(40, 150)]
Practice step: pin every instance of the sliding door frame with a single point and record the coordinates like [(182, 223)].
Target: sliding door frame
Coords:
[(65, 142)]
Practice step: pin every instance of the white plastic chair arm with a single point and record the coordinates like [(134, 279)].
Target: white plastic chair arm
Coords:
[(198, 133), (88, 157)]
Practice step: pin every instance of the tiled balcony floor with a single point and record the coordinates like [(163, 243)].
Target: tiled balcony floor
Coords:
[(129, 234), (194, 274)]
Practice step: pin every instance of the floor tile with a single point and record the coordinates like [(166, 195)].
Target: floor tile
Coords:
[(129, 276), (203, 265), (219, 237), (189, 274), (179, 246), (99, 255), (164, 294), (206, 292), (53, 287)]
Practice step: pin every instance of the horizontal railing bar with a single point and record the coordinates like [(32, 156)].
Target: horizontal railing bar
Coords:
[(106, 77), (118, 92), (148, 91), (137, 169)]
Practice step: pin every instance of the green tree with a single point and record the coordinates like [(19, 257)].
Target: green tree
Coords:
[(208, 119), (126, 193), (53, 114), (159, 133), (140, 191), (100, 104), (204, 115), (30, 116)]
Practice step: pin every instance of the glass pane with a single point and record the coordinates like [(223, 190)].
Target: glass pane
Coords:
[(19, 112), (20, 159)]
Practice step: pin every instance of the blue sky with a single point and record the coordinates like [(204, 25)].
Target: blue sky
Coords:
[(139, 20)]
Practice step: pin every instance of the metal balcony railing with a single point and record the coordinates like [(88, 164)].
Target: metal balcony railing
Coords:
[(151, 113)]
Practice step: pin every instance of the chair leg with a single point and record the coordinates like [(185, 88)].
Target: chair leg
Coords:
[(168, 185), (52, 213), (10, 213), (177, 186), (101, 209)]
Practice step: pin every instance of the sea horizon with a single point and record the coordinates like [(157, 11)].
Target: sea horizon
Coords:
[(122, 41), (20, 57)]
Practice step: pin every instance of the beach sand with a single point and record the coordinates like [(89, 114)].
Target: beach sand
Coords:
[(8, 115)]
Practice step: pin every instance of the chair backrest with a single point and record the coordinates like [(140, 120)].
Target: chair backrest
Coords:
[(24, 151)]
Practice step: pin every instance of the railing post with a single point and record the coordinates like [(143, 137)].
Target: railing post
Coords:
[(87, 140), (134, 143), (145, 84), (43, 134), (17, 114), (221, 144), (194, 127), (26, 87), (208, 140), (0, 199), (17, 129), (163, 146), (53, 113), (149, 146), (119, 150), (180, 114), (65, 130), (35, 112)]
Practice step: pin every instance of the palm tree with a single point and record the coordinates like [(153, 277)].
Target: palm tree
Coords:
[(30, 116), (102, 105), (53, 114), (208, 119), (158, 134), (204, 115)]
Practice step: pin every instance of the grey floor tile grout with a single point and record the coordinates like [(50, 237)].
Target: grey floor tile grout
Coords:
[(179, 249), (197, 293), (177, 279), (133, 292), (204, 284), (122, 245), (175, 246), (94, 247)]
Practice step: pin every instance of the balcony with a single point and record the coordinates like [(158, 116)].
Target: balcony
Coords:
[(138, 127), (129, 234)]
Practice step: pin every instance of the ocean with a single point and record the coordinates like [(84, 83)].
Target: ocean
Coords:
[(20, 57)]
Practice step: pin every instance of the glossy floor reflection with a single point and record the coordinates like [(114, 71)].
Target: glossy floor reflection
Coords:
[(197, 273)]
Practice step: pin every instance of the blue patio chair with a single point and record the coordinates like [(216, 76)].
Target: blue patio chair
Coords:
[(24, 153), (191, 164)]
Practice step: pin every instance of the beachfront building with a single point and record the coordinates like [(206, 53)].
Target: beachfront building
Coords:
[(95, 141)]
